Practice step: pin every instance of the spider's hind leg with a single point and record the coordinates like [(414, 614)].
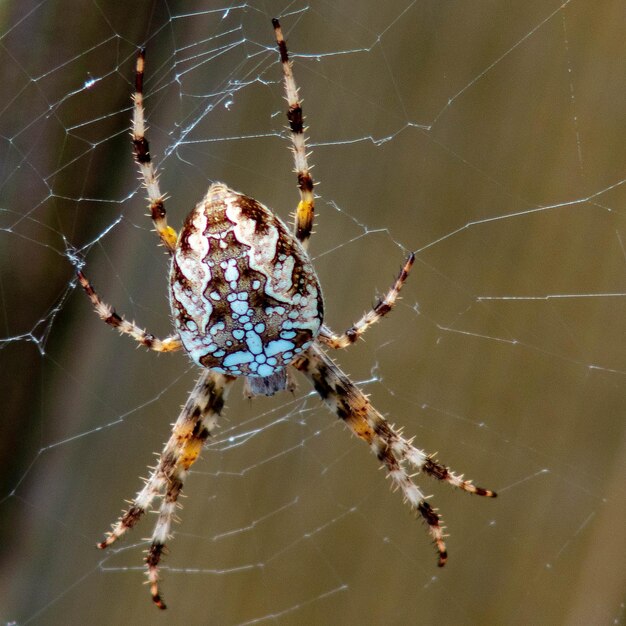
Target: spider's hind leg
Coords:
[(192, 428), (350, 404)]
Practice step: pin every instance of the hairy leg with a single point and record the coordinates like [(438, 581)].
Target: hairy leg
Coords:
[(380, 309), (141, 152), (344, 398), (192, 428), (107, 314), (303, 224)]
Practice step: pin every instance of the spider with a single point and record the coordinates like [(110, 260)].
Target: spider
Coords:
[(246, 302)]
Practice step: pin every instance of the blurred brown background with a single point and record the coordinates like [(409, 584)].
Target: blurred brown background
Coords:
[(488, 137)]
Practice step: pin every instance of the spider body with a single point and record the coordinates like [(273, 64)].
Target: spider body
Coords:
[(246, 302), (244, 295)]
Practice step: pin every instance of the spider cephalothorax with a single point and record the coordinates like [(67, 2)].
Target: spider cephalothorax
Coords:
[(244, 295), (247, 303)]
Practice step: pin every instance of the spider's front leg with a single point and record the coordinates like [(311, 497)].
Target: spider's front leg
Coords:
[(305, 213), (344, 398), (141, 152), (194, 425)]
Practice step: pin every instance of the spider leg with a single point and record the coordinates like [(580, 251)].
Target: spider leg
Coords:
[(303, 221), (382, 307), (141, 152), (350, 404), (194, 425), (108, 314)]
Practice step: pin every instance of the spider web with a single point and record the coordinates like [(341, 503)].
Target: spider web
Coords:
[(487, 137)]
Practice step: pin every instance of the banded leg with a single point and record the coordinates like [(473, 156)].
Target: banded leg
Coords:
[(194, 425), (303, 221), (353, 407), (108, 314), (141, 152), (382, 307)]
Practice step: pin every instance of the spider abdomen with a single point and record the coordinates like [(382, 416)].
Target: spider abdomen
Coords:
[(244, 295)]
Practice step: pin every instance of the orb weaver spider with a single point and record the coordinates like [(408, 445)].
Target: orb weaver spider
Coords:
[(246, 302)]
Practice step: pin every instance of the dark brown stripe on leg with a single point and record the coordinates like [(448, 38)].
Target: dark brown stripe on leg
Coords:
[(434, 525), (152, 561)]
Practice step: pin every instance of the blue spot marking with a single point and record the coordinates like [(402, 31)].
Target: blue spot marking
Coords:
[(239, 307), (265, 370), (255, 345), (279, 345), (237, 358), (231, 273)]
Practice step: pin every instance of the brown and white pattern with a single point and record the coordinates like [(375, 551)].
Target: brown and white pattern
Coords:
[(247, 303), (244, 295)]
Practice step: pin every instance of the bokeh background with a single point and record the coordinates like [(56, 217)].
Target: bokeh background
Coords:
[(487, 137)]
